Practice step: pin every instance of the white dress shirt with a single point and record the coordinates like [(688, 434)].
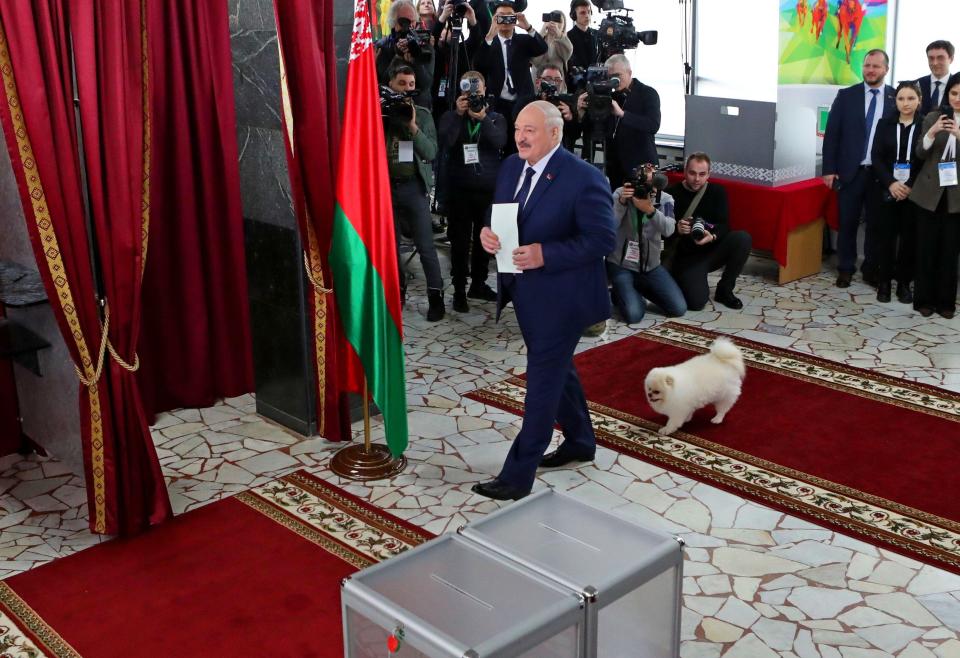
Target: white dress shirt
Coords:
[(537, 170), (876, 117)]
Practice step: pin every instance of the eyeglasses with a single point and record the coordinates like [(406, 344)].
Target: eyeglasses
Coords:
[(554, 79)]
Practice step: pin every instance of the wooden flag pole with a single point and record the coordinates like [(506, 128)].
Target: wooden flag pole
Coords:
[(366, 461)]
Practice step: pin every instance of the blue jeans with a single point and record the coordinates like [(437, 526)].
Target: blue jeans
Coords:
[(630, 288)]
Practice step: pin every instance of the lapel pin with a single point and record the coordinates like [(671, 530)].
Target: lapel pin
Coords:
[(549, 176)]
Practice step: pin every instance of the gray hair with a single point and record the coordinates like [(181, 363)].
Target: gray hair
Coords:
[(395, 9), (551, 115), (613, 59)]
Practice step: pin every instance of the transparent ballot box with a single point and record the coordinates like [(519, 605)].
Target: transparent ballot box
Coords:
[(450, 597), (630, 577)]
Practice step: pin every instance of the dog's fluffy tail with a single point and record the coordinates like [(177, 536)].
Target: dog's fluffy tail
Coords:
[(729, 353)]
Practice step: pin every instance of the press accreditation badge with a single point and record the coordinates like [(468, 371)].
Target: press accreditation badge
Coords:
[(471, 154), (901, 172), (442, 92), (633, 252), (948, 173), (405, 152)]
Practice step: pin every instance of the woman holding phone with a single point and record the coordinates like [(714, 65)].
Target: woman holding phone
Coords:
[(937, 194), (897, 169)]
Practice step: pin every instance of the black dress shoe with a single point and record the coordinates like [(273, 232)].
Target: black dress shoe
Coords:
[(499, 490), (904, 296), (947, 313), (482, 291), (562, 458), (925, 311), (460, 304), (843, 279), (728, 299), (883, 292)]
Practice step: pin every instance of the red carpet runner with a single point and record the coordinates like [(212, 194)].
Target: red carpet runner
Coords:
[(256, 574), (870, 455)]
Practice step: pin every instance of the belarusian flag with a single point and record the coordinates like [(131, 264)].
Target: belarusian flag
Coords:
[(363, 256)]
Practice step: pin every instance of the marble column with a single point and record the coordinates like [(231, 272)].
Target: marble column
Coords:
[(282, 339)]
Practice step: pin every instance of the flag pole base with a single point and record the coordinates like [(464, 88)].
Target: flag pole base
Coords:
[(356, 462)]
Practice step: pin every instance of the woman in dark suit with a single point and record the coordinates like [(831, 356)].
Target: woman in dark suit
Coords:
[(897, 169), (938, 195)]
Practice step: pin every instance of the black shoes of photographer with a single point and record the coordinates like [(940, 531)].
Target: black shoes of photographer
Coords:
[(482, 291), (437, 310), (460, 304), (728, 299)]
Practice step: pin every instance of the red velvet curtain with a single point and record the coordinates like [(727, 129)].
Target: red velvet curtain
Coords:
[(126, 490), (311, 129), (195, 340)]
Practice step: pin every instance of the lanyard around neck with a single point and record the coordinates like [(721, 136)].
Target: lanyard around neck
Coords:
[(909, 142)]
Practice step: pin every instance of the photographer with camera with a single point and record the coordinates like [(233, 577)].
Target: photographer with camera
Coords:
[(453, 52), (411, 144), (704, 242), (503, 57), (407, 45), (559, 47), (551, 87), (632, 124), (473, 135), (644, 216)]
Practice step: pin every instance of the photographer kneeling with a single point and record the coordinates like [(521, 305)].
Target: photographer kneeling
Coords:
[(705, 242), (473, 135), (634, 267), (411, 144)]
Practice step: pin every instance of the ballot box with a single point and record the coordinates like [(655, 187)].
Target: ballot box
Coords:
[(630, 576), (451, 597)]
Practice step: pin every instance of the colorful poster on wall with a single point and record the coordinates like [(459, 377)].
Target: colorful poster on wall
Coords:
[(823, 42)]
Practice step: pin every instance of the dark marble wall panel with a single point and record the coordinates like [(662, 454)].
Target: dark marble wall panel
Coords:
[(282, 354)]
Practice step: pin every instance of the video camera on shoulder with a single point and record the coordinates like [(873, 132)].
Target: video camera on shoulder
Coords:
[(617, 32), (394, 105), (475, 100), (646, 181)]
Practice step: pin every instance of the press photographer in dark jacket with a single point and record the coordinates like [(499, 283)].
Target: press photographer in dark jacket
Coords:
[(633, 123), (473, 135), (403, 47)]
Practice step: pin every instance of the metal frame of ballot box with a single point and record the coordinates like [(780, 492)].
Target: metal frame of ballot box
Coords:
[(598, 555), (456, 588)]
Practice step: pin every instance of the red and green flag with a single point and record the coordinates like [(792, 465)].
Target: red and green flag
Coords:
[(363, 256)]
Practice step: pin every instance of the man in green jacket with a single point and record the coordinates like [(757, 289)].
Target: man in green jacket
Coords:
[(411, 146)]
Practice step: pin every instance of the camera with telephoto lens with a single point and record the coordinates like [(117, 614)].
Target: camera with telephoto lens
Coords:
[(475, 100), (646, 181), (394, 104), (418, 41), (698, 229), (550, 92)]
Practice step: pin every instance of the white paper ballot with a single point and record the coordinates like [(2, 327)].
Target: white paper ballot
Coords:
[(503, 222)]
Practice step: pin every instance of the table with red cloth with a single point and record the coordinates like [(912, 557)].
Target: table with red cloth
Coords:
[(779, 219)]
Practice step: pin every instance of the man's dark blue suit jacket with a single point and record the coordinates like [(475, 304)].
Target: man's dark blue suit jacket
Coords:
[(845, 137), (570, 213)]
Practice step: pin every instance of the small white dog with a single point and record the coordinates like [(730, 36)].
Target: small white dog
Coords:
[(711, 378)]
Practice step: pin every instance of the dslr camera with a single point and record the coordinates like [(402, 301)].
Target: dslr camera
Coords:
[(459, 9), (418, 41), (646, 181), (475, 100), (394, 105), (699, 228), (550, 92)]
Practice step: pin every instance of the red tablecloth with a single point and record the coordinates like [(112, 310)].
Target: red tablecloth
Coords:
[(768, 214)]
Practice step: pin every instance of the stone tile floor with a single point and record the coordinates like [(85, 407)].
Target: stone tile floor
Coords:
[(757, 582)]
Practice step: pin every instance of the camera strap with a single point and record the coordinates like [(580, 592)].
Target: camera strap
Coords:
[(696, 201)]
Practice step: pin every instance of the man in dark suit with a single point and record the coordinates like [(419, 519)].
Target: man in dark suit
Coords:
[(503, 58), (932, 87), (566, 229), (846, 163), (585, 41), (633, 123)]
